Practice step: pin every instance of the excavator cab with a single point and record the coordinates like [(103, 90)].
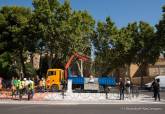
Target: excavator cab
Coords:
[(54, 78)]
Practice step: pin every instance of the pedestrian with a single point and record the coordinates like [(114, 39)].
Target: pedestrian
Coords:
[(156, 89), (121, 89), (152, 86), (128, 87), (107, 90)]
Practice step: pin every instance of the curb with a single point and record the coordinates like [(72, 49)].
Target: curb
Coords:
[(66, 102)]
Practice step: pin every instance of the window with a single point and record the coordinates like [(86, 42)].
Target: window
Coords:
[(51, 73)]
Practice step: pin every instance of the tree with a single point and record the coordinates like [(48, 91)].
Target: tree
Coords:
[(64, 31), (105, 42), (160, 33), (14, 37), (5, 64), (121, 47), (146, 53)]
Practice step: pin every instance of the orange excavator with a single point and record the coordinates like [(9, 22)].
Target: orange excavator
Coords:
[(56, 76)]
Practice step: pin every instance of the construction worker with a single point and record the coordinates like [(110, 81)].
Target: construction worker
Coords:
[(15, 87), (63, 82), (40, 85), (16, 83), (20, 87), (27, 82), (36, 83), (48, 83), (31, 89), (43, 84), (23, 86), (19, 84), (12, 82)]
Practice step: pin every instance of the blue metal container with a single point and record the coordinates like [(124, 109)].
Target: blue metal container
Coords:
[(110, 81), (76, 79)]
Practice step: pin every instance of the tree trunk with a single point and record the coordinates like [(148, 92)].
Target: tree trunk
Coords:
[(50, 59), (22, 63), (128, 72), (143, 72)]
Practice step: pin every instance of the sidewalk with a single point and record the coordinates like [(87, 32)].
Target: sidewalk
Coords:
[(81, 98)]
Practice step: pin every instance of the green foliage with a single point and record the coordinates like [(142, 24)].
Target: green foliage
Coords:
[(160, 34), (135, 43), (5, 64), (62, 30), (30, 71), (5, 60), (55, 27), (13, 35)]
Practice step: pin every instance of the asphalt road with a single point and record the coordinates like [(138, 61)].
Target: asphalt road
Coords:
[(82, 109), (150, 93)]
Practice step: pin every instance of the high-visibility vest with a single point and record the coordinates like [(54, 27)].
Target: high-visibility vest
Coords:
[(31, 85), (48, 82), (23, 83), (19, 84), (16, 83), (43, 83)]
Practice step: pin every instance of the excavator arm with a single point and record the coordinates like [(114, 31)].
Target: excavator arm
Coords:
[(75, 55)]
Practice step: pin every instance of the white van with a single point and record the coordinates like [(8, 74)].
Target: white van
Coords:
[(161, 83)]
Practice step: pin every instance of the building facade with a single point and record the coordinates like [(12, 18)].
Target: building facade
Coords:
[(146, 73)]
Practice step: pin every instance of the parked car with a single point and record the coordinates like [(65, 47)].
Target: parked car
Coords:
[(148, 86)]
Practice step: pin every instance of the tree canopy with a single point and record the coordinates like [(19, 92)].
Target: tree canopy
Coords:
[(54, 27)]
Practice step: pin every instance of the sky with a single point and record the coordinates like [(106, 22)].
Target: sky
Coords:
[(121, 12)]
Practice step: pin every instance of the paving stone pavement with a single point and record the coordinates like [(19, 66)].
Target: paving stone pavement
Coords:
[(79, 98)]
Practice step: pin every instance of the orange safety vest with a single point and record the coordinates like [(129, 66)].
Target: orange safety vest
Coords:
[(48, 82)]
